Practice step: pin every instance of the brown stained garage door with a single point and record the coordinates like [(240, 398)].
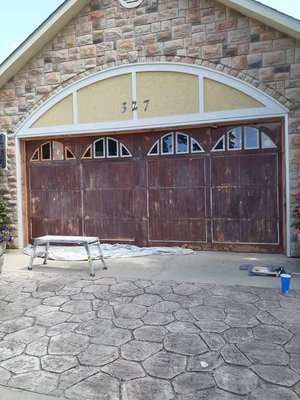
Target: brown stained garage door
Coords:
[(245, 198), (107, 199), (209, 188), (53, 192)]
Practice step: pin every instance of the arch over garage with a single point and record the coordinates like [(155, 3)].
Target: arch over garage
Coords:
[(149, 95), (142, 107)]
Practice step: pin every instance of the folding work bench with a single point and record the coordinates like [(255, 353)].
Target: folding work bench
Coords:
[(85, 241)]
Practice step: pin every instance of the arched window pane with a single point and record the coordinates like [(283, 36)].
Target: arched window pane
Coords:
[(112, 148), (167, 145), (124, 151), (182, 144), (220, 145), (46, 151), (69, 154), (88, 153), (154, 150), (35, 156), (196, 148), (99, 149), (251, 138), (58, 151), (234, 139), (267, 142)]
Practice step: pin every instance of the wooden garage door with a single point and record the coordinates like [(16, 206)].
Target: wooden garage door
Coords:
[(53, 190), (245, 188), (176, 189), (209, 188)]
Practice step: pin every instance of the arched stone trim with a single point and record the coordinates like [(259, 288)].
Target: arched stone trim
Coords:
[(169, 59), (200, 109)]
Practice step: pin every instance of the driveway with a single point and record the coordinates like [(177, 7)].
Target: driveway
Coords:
[(76, 337)]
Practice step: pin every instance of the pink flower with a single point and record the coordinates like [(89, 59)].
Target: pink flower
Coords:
[(296, 232), (298, 196)]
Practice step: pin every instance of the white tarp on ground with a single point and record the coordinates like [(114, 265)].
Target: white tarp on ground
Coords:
[(78, 253)]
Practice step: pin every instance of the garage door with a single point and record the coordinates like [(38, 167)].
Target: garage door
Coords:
[(209, 188)]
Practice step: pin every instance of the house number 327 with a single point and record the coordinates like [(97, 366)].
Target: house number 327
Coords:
[(134, 106)]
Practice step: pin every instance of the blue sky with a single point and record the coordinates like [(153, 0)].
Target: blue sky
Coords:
[(18, 19)]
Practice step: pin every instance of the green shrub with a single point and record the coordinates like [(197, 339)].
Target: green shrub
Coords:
[(2, 215)]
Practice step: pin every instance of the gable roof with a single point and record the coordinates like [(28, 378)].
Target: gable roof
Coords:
[(70, 8), (268, 15), (42, 35)]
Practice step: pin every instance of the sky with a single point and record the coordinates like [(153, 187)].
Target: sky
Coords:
[(18, 19)]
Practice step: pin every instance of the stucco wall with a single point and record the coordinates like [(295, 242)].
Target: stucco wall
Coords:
[(203, 32)]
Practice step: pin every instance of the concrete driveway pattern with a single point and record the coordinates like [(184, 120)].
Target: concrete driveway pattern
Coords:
[(77, 337)]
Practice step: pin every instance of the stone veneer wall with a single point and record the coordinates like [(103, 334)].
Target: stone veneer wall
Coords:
[(202, 32)]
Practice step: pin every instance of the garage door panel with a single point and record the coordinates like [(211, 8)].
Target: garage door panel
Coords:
[(139, 197), (139, 174), (176, 199), (244, 202), (175, 172), (245, 231), (252, 169), (108, 203), (111, 229), (55, 204), (112, 174), (51, 177), (177, 202), (47, 226), (177, 230)]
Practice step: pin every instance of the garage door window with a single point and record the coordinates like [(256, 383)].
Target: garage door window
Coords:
[(266, 142), (106, 148), (251, 138), (52, 151), (175, 143), (182, 143), (234, 139), (247, 138)]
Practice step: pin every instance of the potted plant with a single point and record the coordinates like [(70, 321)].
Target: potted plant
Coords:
[(296, 215), (5, 236)]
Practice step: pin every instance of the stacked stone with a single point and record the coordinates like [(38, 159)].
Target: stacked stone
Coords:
[(112, 339)]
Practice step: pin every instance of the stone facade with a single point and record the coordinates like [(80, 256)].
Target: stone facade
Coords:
[(202, 32)]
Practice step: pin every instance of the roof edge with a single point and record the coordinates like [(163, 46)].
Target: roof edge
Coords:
[(42, 35), (268, 15)]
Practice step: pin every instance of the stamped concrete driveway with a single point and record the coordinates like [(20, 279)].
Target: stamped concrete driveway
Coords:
[(78, 338)]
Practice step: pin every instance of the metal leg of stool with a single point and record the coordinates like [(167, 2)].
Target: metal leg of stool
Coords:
[(90, 260), (32, 256), (101, 255), (46, 253)]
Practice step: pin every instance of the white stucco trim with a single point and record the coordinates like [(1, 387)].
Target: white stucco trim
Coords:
[(272, 108), (19, 195), (287, 188), (134, 94), (75, 108)]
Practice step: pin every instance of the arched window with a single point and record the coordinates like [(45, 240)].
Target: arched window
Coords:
[(246, 138), (52, 151), (175, 143), (106, 148)]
